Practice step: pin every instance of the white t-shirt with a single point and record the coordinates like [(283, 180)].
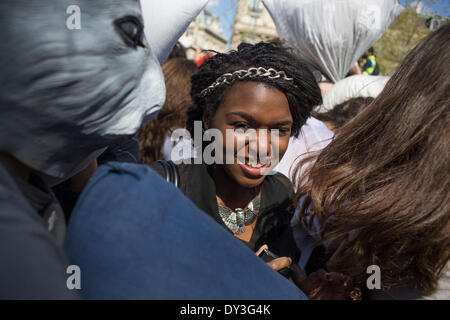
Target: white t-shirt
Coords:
[(314, 136)]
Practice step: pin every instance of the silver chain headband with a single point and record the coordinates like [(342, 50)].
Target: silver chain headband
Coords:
[(229, 78)]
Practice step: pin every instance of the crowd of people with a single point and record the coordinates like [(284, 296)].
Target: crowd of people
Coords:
[(197, 179)]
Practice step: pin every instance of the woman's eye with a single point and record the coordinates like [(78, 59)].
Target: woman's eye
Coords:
[(241, 125), (284, 131), (131, 30)]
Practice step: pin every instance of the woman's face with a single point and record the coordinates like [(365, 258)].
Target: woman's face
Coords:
[(257, 106)]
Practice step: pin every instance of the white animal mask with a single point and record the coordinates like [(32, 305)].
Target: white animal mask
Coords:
[(66, 93)]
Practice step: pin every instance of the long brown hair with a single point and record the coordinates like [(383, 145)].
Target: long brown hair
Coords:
[(343, 112), (177, 74), (383, 184)]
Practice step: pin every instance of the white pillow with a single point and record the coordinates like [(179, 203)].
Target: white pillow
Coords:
[(165, 22), (332, 34), (360, 85)]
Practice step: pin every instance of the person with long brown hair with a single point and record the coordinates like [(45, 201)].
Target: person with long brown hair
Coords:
[(155, 135), (380, 190), (343, 112)]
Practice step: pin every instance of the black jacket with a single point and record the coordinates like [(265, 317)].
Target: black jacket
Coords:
[(273, 225)]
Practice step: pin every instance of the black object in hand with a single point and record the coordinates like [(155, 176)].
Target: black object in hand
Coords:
[(268, 255)]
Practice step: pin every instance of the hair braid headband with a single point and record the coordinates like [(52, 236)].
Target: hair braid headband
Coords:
[(229, 78)]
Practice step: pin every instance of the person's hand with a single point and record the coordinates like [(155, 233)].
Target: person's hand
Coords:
[(260, 250), (322, 285), (278, 263)]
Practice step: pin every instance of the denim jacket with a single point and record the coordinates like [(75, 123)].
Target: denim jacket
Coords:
[(135, 236)]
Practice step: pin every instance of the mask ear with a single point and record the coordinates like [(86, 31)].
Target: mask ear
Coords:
[(165, 22)]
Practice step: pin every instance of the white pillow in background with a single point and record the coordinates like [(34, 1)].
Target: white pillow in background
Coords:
[(360, 85), (332, 34), (166, 21)]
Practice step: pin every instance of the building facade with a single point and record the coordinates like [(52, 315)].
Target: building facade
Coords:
[(205, 33), (252, 24)]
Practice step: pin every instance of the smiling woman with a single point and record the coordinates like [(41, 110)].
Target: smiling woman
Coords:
[(257, 106), (257, 89)]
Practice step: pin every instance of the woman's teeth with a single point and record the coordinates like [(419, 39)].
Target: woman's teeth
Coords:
[(257, 165)]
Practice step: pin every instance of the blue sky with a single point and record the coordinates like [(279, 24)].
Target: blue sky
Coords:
[(226, 9), (440, 7)]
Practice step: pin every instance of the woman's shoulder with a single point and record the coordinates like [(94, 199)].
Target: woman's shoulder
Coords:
[(280, 184), (277, 193), (183, 168), (159, 167)]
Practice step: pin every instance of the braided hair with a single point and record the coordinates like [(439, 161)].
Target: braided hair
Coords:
[(302, 94)]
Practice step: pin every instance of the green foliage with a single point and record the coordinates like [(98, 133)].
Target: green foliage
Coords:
[(403, 34)]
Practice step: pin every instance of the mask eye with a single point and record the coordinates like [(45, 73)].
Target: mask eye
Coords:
[(131, 30)]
